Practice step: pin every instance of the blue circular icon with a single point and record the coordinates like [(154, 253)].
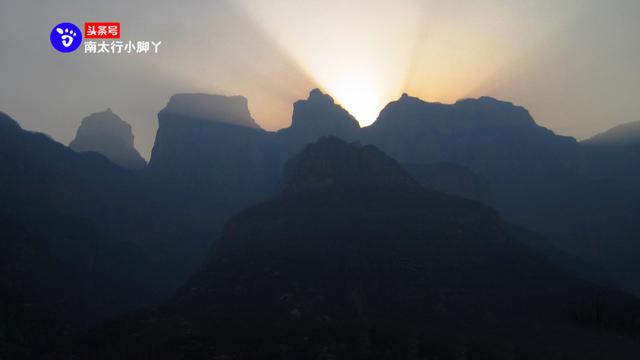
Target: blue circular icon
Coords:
[(65, 37)]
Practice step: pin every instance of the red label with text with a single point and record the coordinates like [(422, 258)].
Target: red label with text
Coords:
[(102, 30)]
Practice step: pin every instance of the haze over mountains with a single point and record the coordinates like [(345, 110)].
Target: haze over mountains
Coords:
[(352, 250), (548, 183)]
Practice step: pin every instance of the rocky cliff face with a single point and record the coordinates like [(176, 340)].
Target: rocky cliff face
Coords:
[(226, 109), (493, 138), (107, 134), (211, 159)]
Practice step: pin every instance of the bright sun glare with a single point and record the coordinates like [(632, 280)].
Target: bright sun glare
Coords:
[(357, 52), (359, 96)]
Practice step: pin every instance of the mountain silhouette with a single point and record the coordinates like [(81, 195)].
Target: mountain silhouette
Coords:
[(60, 274), (82, 240), (495, 139), (208, 167), (107, 134), (536, 177), (216, 168), (625, 134), (613, 154), (318, 116), (355, 260), (545, 182)]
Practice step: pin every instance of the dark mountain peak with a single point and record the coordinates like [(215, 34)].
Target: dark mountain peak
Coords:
[(218, 108), (8, 123), (477, 112), (318, 97), (484, 100), (406, 99), (106, 133), (624, 134), (318, 116), (492, 111), (406, 107), (107, 121), (336, 164)]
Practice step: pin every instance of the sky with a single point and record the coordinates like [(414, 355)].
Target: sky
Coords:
[(575, 65)]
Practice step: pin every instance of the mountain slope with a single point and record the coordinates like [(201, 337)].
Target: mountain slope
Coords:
[(583, 199), (60, 274), (83, 236), (625, 134), (495, 139), (355, 260), (318, 116)]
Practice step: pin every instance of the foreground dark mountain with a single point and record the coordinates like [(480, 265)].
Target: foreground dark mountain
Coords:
[(355, 260), (59, 274), (81, 240), (105, 133), (452, 179)]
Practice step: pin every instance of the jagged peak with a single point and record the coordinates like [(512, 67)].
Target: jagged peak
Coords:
[(106, 116), (485, 108), (486, 100), (106, 133), (320, 115), (316, 95)]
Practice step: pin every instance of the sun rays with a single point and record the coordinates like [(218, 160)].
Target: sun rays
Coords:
[(356, 51)]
